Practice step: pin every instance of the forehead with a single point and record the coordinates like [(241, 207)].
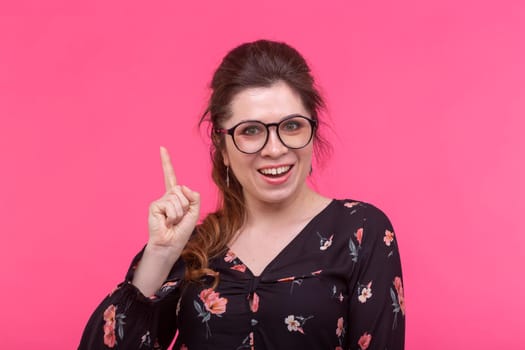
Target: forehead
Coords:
[(267, 104)]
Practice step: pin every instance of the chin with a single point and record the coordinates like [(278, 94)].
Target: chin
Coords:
[(277, 196)]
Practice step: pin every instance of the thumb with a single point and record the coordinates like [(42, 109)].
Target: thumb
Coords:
[(193, 197)]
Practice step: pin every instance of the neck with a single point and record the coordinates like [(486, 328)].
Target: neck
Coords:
[(295, 208)]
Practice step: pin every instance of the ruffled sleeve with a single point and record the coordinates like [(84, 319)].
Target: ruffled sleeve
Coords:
[(377, 305), (126, 319)]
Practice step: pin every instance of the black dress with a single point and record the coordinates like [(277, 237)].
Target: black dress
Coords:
[(336, 285)]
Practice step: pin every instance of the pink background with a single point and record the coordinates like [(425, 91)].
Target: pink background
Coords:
[(426, 106)]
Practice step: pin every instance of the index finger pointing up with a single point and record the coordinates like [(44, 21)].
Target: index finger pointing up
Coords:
[(169, 175)]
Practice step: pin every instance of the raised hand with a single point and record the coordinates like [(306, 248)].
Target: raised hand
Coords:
[(171, 221), (173, 217)]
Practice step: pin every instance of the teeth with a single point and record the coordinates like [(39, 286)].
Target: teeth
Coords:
[(275, 171)]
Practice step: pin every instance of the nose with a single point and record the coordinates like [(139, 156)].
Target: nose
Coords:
[(274, 147)]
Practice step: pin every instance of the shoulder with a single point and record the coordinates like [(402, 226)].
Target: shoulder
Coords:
[(369, 230), (353, 212), (367, 210)]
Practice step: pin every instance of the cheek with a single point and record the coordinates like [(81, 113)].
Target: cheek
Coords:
[(306, 154), (236, 160)]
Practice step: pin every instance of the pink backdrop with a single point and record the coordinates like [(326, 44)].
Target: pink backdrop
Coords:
[(426, 103)]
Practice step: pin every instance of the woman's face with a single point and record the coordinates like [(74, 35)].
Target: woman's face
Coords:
[(275, 174)]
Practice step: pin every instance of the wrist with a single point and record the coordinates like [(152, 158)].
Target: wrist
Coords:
[(161, 253)]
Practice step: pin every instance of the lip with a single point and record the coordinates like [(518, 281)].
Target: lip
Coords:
[(276, 180)]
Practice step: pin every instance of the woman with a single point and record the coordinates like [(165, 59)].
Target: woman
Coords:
[(278, 265)]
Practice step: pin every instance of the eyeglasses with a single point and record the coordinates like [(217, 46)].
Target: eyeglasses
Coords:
[(294, 131)]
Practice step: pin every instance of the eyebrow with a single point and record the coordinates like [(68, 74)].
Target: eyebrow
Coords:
[(282, 118)]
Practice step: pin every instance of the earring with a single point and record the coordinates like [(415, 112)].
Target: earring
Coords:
[(227, 176)]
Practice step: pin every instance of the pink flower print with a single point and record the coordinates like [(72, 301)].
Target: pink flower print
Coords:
[(364, 341), (286, 279), (350, 204), (169, 285), (359, 235), (230, 256), (109, 314), (183, 347), (254, 302), (401, 299), (296, 323), (338, 348), (165, 289), (398, 284), (340, 327), (212, 302), (239, 267), (389, 237), (109, 327), (114, 322), (398, 299), (316, 273), (365, 293)]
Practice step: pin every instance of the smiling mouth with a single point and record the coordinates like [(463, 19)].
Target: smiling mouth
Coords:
[(275, 172)]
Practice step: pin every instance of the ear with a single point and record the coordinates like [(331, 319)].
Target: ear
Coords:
[(225, 157)]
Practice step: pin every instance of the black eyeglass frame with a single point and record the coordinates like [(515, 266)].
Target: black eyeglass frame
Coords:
[(231, 131)]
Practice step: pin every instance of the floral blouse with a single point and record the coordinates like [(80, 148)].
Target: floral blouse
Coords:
[(336, 285)]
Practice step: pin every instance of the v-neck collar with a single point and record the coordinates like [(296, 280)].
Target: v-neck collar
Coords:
[(302, 233)]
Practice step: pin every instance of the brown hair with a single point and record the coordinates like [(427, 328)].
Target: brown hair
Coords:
[(257, 64)]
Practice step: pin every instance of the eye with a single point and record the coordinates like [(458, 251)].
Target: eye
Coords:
[(292, 125), (250, 129)]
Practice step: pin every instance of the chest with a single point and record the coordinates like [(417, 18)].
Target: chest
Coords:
[(257, 249), (296, 301)]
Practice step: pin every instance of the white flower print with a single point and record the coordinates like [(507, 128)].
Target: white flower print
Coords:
[(296, 323), (293, 324), (389, 237), (324, 243), (365, 292)]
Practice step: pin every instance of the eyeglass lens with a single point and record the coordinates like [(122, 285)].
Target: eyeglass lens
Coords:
[(251, 136)]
